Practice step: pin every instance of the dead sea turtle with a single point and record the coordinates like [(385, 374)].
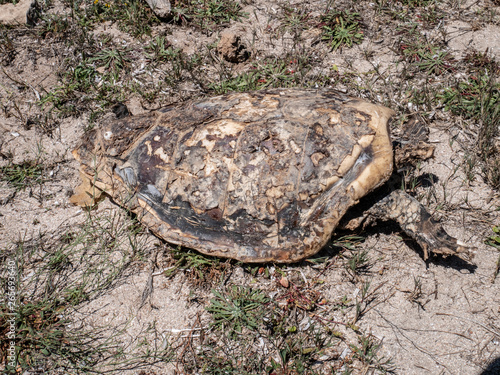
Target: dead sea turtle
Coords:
[(260, 176)]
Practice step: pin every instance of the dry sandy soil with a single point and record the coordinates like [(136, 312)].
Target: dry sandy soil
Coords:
[(436, 317)]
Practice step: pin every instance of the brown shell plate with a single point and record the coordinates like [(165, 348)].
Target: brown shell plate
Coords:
[(260, 176)]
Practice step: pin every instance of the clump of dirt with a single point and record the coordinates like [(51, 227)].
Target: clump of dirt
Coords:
[(231, 48)]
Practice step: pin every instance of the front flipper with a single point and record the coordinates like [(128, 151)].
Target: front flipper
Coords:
[(86, 194), (418, 224)]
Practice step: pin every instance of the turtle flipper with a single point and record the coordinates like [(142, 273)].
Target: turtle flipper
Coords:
[(86, 194), (418, 224)]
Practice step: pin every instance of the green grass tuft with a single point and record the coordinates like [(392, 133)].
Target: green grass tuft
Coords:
[(341, 28), (236, 308), (21, 176)]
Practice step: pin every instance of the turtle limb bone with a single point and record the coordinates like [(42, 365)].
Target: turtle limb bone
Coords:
[(418, 224)]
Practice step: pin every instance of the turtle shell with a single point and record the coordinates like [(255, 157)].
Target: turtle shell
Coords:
[(260, 176)]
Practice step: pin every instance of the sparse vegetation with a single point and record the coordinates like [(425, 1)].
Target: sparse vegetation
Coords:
[(472, 98), (358, 262), (55, 277), (160, 51), (296, 20), (478, 99), (132, 16), (202, 270), (367, 350), (206, 14), (271, 73), (54, 27), (422, 55), (417, 3), (24, 175), (494, 239)]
